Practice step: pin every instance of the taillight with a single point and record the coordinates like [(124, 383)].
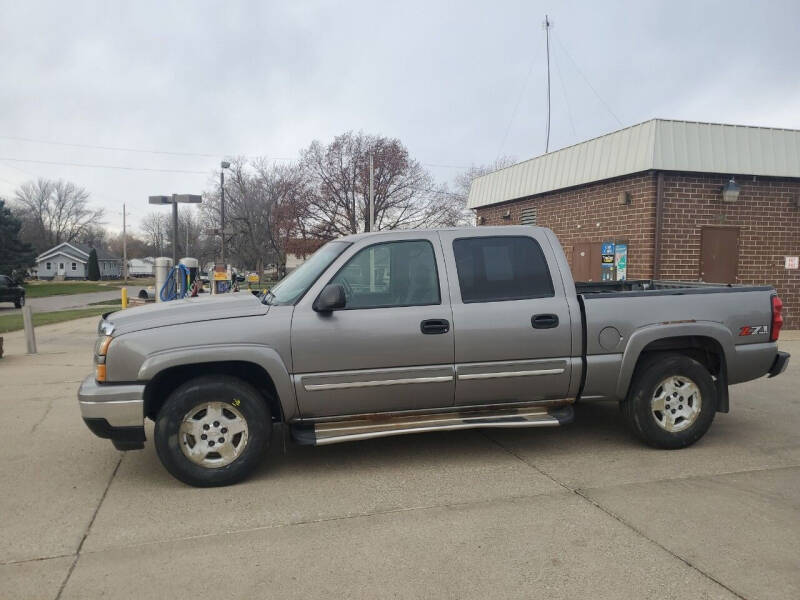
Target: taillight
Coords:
[(777, 319)]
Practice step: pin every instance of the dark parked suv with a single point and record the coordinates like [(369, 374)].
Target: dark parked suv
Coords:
[(11, 292)]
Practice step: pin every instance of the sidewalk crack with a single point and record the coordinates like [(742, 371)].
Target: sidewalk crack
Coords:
[(583, 496), (89, 528)]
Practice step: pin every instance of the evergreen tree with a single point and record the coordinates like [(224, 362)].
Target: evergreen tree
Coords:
[(16, 256), (94, 268)]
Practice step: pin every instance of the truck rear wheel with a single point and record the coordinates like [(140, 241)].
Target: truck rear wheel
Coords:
[(672, 401), (213, 431)]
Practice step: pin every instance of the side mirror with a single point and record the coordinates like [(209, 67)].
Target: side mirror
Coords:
[(330, 298)]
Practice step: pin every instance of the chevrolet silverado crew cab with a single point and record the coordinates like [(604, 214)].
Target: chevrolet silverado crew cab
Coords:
[(401, 332)]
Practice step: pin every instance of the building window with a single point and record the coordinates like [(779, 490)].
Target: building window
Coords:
[(60, 266), (48, 266), (494, 269), (528, 216), (74, 266)]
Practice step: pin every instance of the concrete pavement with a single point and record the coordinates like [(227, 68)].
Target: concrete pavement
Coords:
[(579, 511)]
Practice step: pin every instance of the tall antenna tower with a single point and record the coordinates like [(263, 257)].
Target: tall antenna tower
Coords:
[(547, 25)]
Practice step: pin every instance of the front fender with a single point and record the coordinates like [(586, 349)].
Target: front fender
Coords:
[(640, 338), (263, 356)]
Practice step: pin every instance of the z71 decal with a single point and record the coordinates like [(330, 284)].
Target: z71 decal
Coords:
[(754, 330)]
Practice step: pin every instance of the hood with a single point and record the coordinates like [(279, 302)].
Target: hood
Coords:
[(190, 310)]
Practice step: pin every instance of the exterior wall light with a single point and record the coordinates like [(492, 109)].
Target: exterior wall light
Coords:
[(730, 191)]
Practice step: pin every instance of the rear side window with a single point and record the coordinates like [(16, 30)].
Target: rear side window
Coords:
[(491, 269)]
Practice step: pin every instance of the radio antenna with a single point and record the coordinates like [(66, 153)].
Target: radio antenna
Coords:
[(547, 25)]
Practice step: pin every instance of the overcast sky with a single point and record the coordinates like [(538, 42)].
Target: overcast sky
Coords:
[(458, 82)]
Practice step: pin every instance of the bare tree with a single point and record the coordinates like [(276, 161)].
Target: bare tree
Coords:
[(405, 193), (264, 206), (155, 227), (55, 212), (94, 236), (137, 247), (463, 181)]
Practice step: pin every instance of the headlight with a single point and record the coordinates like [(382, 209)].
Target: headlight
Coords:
[(101, 346), (100, 351), (104, 327)]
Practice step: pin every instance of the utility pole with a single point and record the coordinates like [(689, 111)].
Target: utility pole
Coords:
[(174, 231), (223, 165), (124, 246), (547, 25), (371, 194)]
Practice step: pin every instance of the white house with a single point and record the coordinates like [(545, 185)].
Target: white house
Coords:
[(70, 260), (141, 267)]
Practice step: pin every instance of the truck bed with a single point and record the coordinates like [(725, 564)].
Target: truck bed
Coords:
[(655, 287)]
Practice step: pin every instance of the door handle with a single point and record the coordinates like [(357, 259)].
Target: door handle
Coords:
[(432, 326), (544, 321)]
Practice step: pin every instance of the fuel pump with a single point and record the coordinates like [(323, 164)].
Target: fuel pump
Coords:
[(176, 282), (220, 280)]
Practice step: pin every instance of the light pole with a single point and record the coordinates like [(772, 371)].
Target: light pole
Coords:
[(223, 165), (124, 246), (174, 200)]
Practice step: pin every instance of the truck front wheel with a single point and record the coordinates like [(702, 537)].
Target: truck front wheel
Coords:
[(672, 401), (213, 431)]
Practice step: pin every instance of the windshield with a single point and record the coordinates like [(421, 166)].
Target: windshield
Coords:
[(294, 285)]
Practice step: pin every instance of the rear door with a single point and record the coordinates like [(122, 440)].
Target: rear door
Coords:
[(391, 347), (510, 316)]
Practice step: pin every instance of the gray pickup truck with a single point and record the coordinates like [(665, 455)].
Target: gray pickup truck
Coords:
[(413, 331)]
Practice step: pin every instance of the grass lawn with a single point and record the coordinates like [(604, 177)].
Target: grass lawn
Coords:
[(14, 322), (40, 289), (63, 288)]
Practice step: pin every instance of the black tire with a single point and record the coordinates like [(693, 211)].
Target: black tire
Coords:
[(637, 408), (20, 302), (217, 388)]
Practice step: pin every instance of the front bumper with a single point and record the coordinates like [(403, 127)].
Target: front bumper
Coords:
[(114, 411), (780, 364)]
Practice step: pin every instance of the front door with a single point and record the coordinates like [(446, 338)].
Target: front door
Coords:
[(719, 254), (391, 347), (511, 319)]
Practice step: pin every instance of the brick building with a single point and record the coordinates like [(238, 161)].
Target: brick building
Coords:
[(656, 190)]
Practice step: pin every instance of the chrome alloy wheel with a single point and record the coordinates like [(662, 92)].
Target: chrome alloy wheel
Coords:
[(213, 434), (676, 403)]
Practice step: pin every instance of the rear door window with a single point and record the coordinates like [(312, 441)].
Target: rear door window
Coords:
[(493, 269)]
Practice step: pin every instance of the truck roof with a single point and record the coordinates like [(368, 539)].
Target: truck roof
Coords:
[(481, 231)]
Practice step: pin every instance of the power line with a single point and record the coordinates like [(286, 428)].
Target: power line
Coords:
[(173, 152), (589, 83), (91, 166), (116, 148)]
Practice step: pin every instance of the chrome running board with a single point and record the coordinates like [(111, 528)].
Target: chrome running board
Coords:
[(319, 434)]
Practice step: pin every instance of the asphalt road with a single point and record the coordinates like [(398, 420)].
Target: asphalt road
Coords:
[(583, 511), (51, 303)]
